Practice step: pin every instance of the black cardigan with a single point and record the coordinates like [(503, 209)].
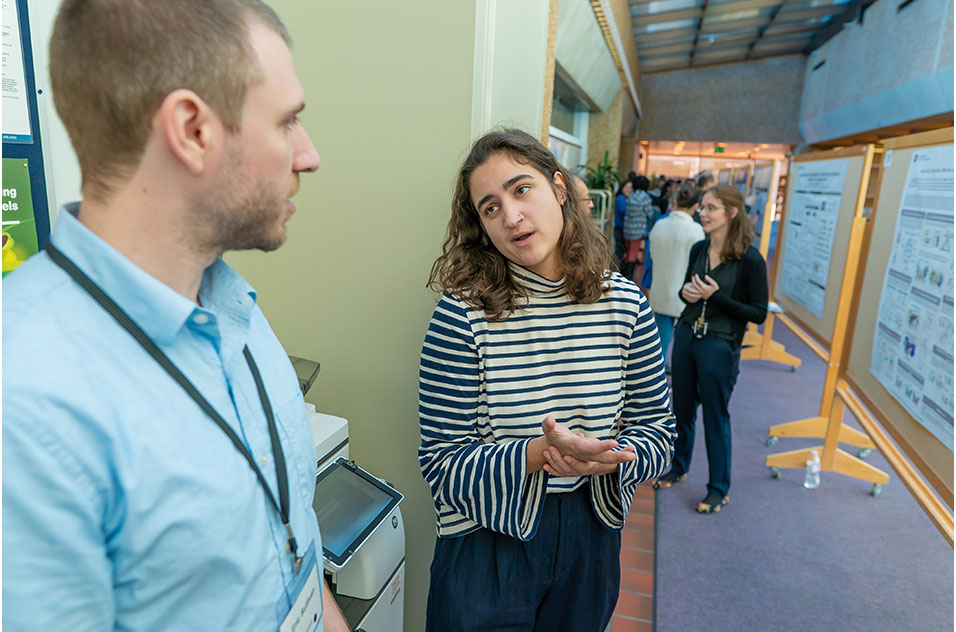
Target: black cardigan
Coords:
[(748, 301)]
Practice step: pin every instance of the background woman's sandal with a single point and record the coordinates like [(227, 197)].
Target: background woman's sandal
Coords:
[(668, 479), (712, 504)]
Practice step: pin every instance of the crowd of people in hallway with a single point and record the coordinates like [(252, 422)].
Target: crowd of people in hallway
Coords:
[(689, 246)]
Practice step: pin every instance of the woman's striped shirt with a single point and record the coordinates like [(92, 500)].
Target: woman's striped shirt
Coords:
[(485, 387)]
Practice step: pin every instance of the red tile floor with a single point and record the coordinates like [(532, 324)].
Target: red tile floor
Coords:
[(635, 606)]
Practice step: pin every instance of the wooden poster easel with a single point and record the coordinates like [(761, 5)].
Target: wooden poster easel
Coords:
[(829, 423)]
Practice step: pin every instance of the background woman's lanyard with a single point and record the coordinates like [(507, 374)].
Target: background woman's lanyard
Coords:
[(147, 343), (700, 325)]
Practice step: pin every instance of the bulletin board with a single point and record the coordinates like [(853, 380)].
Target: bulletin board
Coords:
[(928, 453), (723, 176), (764, 191), (820, 326), (26, 223)]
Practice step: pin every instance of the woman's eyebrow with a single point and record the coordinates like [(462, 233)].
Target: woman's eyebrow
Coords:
[(504, 187)]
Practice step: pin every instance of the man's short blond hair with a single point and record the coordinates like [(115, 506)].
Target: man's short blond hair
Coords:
[(112, 62)]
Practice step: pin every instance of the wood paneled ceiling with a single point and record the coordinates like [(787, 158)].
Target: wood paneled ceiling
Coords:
[(673, 34)]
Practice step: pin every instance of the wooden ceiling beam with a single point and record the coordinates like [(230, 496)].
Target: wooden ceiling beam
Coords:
[(667, 16), (665, 35), (729, 26)]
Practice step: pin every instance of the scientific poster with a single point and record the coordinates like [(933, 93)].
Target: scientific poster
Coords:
[(759, 192), (740, 180), (16, 108), (811, 226), (913, 340), (723, 176), (19, 236)]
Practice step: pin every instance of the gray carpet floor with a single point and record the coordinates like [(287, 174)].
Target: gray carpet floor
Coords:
[(780, 557)]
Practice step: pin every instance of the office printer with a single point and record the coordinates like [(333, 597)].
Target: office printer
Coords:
[(363, 535)]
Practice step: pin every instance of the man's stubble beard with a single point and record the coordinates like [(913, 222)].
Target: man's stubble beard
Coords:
[(238, 213)]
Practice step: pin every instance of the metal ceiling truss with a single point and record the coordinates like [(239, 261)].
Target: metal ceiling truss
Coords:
[(673, 34)]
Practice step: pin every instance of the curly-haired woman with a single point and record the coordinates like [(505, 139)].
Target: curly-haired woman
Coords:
[(543, 401)]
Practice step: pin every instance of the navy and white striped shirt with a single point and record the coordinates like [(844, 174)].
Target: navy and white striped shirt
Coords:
[(485, 387)]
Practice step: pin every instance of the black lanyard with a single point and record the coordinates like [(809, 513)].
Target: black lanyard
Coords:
[(147, 343)]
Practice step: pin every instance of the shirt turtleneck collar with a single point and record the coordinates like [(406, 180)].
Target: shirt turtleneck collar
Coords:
[(534, 282)]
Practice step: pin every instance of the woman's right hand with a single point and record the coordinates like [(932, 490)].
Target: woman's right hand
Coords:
[(690, 293)]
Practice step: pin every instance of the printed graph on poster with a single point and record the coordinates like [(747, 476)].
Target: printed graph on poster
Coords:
[(913, 342), (19, 227)]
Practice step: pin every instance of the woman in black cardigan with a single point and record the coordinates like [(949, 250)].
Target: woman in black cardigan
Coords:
[(725, 287)]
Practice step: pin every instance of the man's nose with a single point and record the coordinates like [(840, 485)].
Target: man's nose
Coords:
[(305, 158)]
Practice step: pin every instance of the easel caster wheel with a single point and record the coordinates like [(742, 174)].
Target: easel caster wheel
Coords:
[(793, 369), (864, 452), (774, 473), (877, 488), (771, 441)]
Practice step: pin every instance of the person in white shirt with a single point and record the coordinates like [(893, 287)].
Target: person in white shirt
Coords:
[(671, 240)]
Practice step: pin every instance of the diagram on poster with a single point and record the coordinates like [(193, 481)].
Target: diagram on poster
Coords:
[(913, 342), (16, 109), (811, 226)]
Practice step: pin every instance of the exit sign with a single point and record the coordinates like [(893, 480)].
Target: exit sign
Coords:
[(718, 150)]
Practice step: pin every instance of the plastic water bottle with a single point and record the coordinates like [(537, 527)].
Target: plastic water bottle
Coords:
[(812, 479)]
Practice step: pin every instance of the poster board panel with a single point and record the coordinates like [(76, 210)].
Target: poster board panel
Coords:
[(821, 327), (927, 452), (763, 191)]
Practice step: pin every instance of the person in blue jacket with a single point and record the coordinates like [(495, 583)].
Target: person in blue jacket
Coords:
[(620, 210)]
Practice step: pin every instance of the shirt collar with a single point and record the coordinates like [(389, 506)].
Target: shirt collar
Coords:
[(158, 309), (534, 282), (680, 215)]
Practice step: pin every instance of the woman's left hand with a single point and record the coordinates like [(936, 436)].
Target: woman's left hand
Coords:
[(706, 287)]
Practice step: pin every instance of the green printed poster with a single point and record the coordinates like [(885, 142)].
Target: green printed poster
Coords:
[(19, 226)]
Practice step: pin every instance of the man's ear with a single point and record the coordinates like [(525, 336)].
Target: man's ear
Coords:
[(561, 186), (190, 128)]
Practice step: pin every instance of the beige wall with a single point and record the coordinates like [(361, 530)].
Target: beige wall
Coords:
[(389, 91)]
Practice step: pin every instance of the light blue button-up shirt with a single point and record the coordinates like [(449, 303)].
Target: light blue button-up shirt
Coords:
[(124, 506)]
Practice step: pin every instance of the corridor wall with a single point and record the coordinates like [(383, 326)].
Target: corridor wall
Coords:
[(389, 91), (751, 101), (894, 66)]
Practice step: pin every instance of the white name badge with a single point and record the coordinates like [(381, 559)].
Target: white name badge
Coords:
[(305, 593)]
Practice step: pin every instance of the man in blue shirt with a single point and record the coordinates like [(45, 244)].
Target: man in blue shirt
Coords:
[(129, 501)]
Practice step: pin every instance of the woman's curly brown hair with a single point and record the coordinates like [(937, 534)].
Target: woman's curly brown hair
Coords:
[(471, 268)]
